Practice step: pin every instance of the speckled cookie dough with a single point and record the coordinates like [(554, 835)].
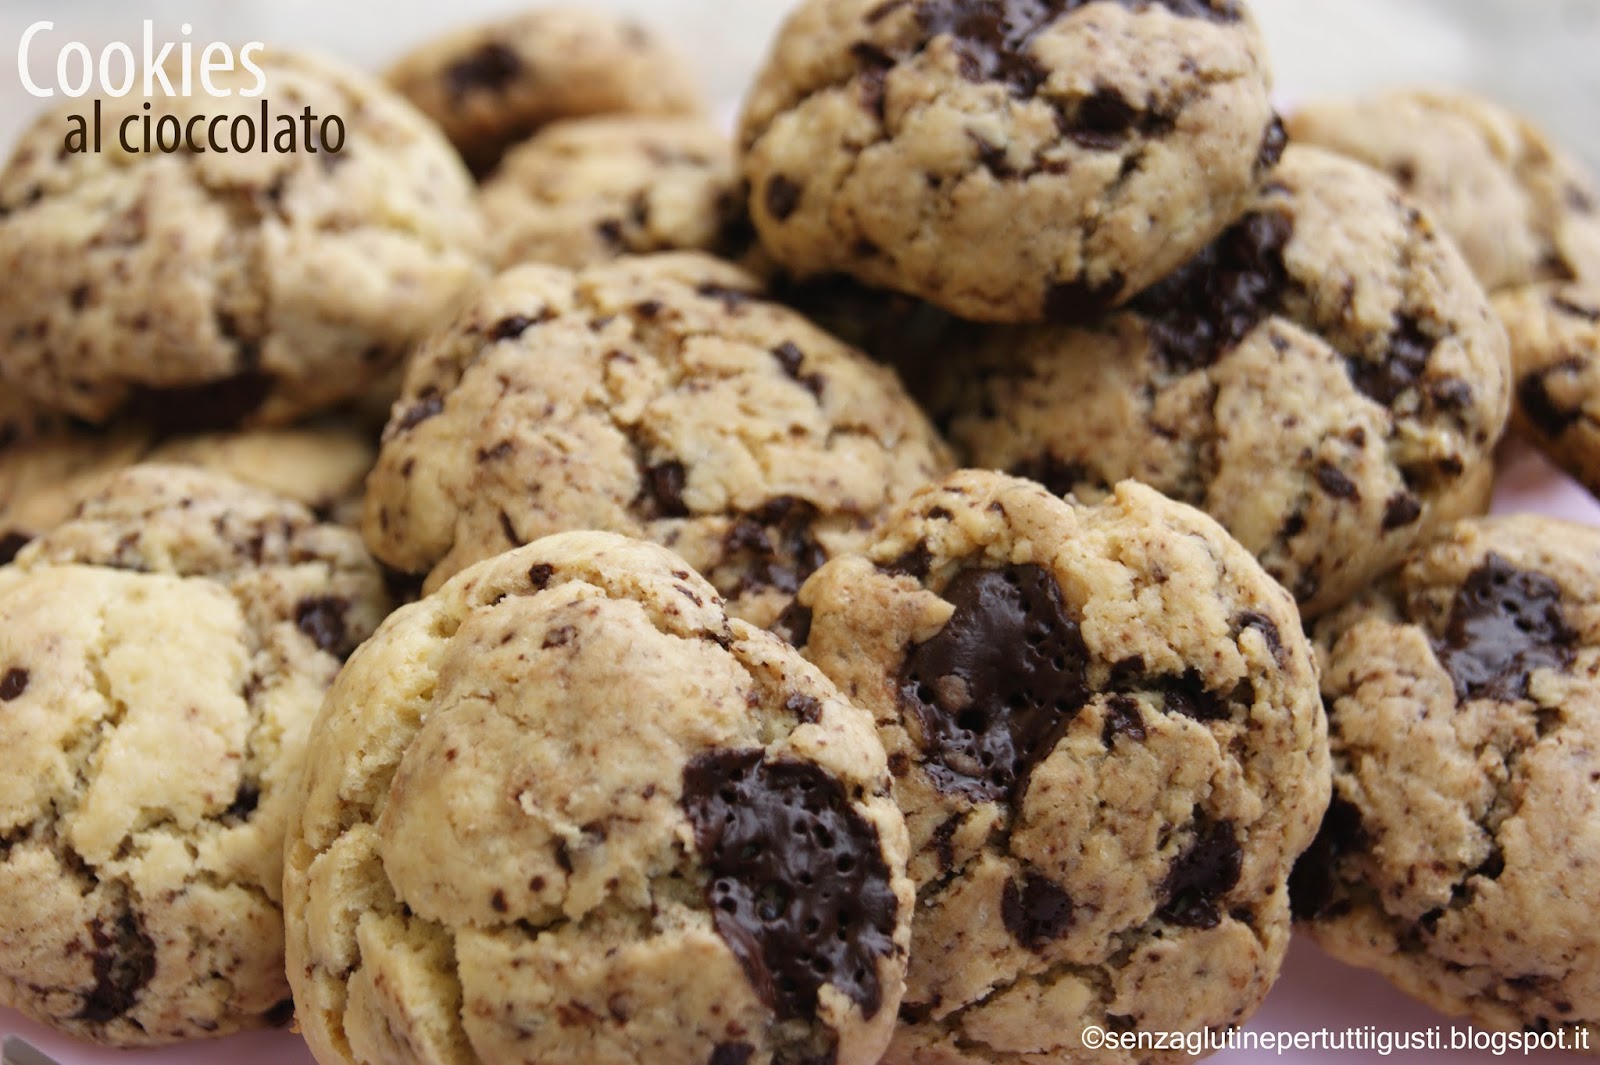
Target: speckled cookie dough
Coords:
[(660, 398), (1521, 209), (162, 657), (42, 481), (1325, 380), (494, 85), (1555, 356), (566, 811), (1008, 160), (1106, 737), (211, 289), (1459, 857), (587, 191)]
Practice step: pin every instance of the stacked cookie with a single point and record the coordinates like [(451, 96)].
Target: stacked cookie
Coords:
[(730, 721)]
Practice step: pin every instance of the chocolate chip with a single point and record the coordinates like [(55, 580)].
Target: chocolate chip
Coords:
[(731, 1054), (915, 563), (1037, 915), (1102, 120), (245, 801), (732, 298), (539, 576), (513, 326), (1401, 368), (123, 961), (322, 619), (1540, 408), (665, 484), (1335, 483), (1273, 142), (1189, 696), (489, 69), (1079, 300), (944, 841), (783, 197), (1505, 623), (1203, 876), (807, 708), (13, 684), (1268, 629), (998, 686), (428, 405), (1314, 881), (1122, 719), (1402, 509), (212, 406), (1211, 303), (794, 624), (1059, 477), (792, 359), (799, 888)]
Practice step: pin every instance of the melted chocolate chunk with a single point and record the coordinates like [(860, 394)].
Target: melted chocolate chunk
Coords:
[(1401, 369), (783, 197), (1189, 696), (999, 684), (1038, 914), (1211, 303), (428, 405), (1505, 624), (1313, 883), (13, 684), (1266, 627), (216, 405), (489, 69), (1402, 509), (774, 545), (665, 483), (1540, 408), (916, 563), (1122, 719), (124, 961), (1203, 876), (322, 619), (799, 889)]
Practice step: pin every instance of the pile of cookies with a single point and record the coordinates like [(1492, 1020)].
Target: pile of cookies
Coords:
[(977, 557)]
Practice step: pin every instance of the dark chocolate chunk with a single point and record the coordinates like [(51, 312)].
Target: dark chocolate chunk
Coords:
[(1266, 627), (124, 961), (1505, 623), (805, 707), (428, 405), (996, 688), (13, 684), (1189, 696), (1400, 369), (514, 326), (1199, 879), (799, 889), (488, 69), (1540, 408), (915, 563), (322, 619), (1211, 303), (1038, 914), (539, 576), (1402, 509), (665, 484), (783, 197), (1273, 142), (1314, 881), (1335, 483), (1122, 719)]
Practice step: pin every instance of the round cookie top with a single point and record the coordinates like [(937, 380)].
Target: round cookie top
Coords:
[(587, 191), (493, 85), (1008, 160), (1555, 356), (1104, 727), (162, 657), (566, 810), (1459, 855), (1324, 380), (209, 289), (660, 398), (1521, 209)]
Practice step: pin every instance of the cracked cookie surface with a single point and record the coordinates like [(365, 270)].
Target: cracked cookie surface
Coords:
[(1459, 854), (1106, 737), (491, 86), (1555, 359), (1327, 380), (213, 289), (565, 810), (656, 397), (1008, 160), (162, 657), (584, 192), (1520, 208)]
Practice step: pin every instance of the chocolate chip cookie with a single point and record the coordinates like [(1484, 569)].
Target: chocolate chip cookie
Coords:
[(162, 656), (587, 191), (656, 397), (1008, 160), (205, 290), (566, 811), (1520, 207), (1324, 379), (494, 85), (1459, 857), (1104, 727), (1555, 355)]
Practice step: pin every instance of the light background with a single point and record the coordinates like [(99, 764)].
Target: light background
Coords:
[(1542, 56)]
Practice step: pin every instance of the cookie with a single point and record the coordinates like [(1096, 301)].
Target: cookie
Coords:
[(1104, 727), (1322, 380), (1521, 209), (1555, 357), (162, 657), (1007, 160), (323, 467), (587, 191), (659, 398), (209, 289), (566, 811), (1460, 852), (494, 85)]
